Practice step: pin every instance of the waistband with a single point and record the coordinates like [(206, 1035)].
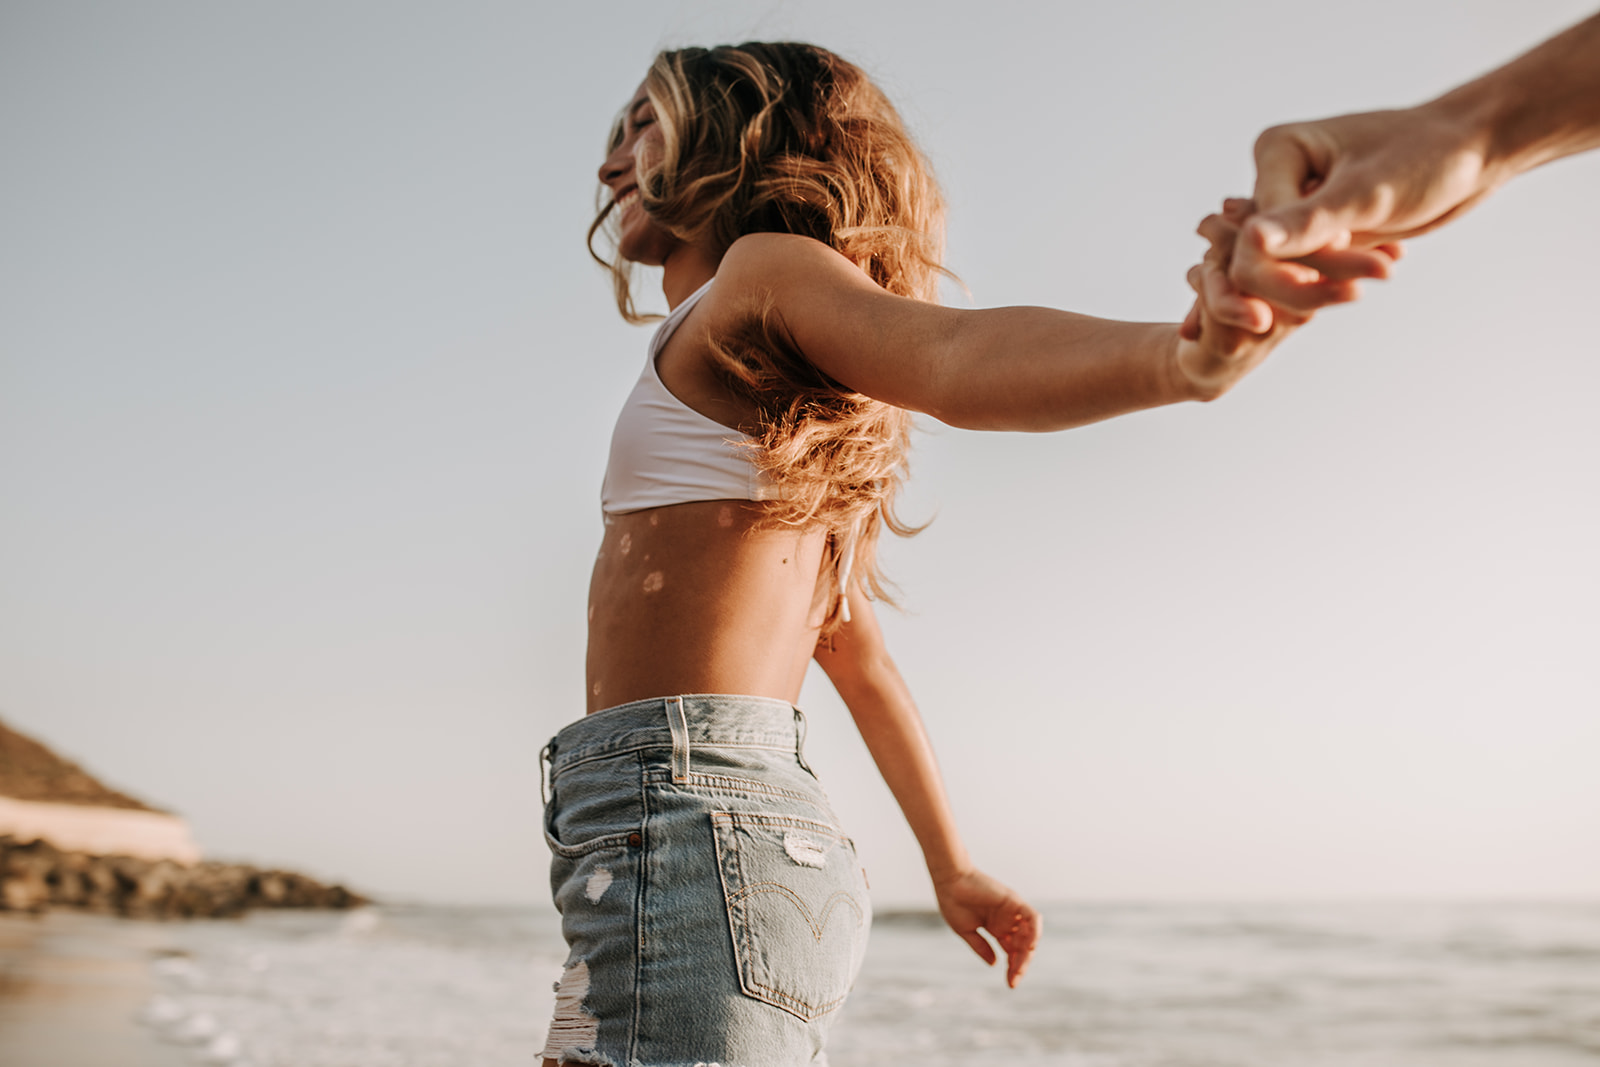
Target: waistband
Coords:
[(680, 722)]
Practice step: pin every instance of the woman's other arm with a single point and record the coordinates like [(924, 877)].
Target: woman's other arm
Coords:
[(859, 665)]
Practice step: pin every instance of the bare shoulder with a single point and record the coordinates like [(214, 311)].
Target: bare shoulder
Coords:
[(840, 319), (785, 269)]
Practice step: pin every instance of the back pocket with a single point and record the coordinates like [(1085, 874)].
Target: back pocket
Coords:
[(797, 908)]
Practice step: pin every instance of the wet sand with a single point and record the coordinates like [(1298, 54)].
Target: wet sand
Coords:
[(70, 989)]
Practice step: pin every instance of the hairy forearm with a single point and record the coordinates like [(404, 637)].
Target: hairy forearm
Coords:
[(1540, 107), (1038, 369)]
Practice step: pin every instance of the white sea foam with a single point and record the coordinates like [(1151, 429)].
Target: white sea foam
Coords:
[(1402, 985)]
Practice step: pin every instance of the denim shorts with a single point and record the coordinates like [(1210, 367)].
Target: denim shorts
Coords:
[(714, 911)]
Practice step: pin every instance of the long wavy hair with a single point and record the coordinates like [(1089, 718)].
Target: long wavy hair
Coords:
[(791, 138)]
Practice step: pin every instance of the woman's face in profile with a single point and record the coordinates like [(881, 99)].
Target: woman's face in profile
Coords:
[(637, 138)]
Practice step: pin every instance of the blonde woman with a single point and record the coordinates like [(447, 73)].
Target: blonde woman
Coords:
[(715, 908)]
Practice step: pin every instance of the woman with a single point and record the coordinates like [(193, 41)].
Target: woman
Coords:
[(715, 910)]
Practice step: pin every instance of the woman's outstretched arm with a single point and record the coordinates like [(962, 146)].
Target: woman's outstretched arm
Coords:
[(859, 665), (1015, 368)]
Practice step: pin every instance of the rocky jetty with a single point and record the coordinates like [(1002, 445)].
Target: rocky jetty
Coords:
[(67, 840), (36, 876)]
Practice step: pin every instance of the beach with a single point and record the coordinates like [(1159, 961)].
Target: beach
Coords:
[(71, 988), (1171, 984)]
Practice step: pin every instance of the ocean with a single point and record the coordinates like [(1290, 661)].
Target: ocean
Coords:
[(1385, 984)]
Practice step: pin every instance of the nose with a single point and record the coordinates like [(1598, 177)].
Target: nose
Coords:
[(618, 164)]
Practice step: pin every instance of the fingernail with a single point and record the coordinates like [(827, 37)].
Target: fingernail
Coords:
[(1272, 235)]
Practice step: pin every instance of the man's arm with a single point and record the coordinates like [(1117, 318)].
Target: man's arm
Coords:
[(1355, 181)]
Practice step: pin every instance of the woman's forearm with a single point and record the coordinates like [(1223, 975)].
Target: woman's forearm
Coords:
[(890, 725), (1039, 369)]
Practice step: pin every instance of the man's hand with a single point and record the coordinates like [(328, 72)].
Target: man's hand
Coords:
[(1328, 192)]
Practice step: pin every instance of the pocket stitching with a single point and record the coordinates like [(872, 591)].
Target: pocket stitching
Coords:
[(618, 841), (740, 932)]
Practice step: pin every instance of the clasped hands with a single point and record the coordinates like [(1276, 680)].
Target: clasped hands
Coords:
[(1244, 285), (1332, 200)]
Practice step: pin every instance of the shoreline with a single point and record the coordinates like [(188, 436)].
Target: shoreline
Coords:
[(71, 987)]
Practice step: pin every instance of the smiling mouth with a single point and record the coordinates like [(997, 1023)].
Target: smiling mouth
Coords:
[(627, 200)]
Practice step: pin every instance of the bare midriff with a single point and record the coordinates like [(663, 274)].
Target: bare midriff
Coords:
[(698, 598)]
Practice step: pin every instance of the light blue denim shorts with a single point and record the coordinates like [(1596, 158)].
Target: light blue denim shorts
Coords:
[(715, 912)]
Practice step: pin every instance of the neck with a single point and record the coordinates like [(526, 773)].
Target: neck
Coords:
[(685, 270)]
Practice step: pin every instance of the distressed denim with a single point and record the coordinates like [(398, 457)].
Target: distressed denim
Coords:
[(714, 911)]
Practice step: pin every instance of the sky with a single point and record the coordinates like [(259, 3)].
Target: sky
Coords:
[(306, 383)]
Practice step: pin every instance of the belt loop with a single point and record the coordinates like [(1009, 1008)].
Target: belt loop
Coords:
[(678, 723), (800, 741), (544, 754)]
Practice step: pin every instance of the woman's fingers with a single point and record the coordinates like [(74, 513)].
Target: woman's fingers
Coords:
[(1217, 293), (980, 945), (1019, 938), (1220, 232), (1238, 208)]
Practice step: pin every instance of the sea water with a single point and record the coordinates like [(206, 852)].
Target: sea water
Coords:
[(1113, 985)]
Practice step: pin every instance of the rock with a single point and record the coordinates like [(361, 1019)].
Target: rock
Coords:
[(36, 875)]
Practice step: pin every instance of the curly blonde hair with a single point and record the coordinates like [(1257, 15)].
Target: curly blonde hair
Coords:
[(791, 138)]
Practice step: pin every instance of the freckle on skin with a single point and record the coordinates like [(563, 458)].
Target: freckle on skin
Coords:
[(654, 581), (626, 544)]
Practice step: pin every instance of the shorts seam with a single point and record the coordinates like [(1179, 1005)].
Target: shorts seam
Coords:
[(560, 765), (744, 785)]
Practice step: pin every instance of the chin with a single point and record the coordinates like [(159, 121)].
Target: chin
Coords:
[(646, 245)]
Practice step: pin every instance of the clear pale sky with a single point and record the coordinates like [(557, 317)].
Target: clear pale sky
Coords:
[(306, 384)]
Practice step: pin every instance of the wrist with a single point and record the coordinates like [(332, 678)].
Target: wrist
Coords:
[(1477, 126), (1186, 377), (943, 870), (1543, 105)]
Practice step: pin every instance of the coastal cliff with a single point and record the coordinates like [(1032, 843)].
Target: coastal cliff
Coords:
[(68, 840)]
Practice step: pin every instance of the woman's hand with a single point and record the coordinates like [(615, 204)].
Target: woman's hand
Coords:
[(1227, 333), (1319, 279), (972, 901)]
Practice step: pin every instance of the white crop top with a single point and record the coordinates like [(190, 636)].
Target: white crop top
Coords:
[(664, 452)]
